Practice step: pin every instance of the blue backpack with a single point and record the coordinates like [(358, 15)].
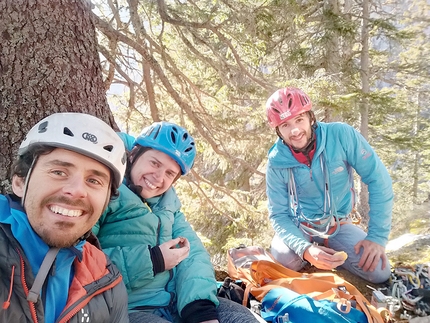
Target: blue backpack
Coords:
[(303, 308)]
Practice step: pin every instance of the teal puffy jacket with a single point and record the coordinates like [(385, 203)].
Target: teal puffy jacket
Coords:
[(341, 149), (128, 227)]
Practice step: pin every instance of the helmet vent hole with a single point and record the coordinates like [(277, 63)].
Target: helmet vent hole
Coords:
[(304, 100), (43, 127), (156, 133), (149, 131), (185, 137), (109, 148), (277, 111), (290, 103), (172, 135), (68, 132)]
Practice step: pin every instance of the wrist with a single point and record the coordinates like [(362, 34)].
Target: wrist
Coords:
[(157, 260)]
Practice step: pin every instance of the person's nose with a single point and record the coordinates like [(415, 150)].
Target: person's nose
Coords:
[(76, 187), (159, 174), (295, 131)]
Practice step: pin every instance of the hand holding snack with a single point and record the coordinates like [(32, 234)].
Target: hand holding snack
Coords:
[(174, 251), (324, 258)]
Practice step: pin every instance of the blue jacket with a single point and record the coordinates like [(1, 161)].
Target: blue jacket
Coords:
[(340, 149), (93, 291)]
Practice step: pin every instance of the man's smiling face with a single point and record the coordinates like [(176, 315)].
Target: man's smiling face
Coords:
[(297, 132), (66, 194)]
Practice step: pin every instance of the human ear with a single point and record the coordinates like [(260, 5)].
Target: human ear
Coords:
[(18, 184)]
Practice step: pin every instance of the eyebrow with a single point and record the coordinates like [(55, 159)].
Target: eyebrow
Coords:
[(172, 170), (62, 163)]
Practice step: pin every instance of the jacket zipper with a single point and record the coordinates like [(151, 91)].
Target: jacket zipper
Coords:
[(24, 285), (6, 304)]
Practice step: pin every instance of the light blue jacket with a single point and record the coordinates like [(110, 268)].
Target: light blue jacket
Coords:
[(340, 149), (129, 227)]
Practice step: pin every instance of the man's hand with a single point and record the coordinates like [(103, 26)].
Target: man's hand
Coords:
[(174, 251), (372, 253), (323, 257)]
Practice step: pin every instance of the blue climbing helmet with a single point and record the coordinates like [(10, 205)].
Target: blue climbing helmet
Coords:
[(172, 140)]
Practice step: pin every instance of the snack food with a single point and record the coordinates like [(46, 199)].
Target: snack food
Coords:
[(341, 253)]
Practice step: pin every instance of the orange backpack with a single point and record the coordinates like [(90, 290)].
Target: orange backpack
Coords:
[(260, 272)]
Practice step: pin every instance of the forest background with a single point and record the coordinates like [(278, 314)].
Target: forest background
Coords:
[(210, 66)]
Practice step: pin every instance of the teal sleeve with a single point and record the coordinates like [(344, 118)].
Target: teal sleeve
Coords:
[(195, 275), (280, 213), (120, 231), (374, 174)]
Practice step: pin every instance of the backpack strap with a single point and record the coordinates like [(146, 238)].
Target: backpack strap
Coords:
[(45, 267)]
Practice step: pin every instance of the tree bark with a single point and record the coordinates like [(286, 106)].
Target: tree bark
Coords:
[(48, 63), (364, 105), (333, 58)]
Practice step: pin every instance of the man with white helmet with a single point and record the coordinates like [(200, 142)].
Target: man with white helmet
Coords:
[(68, 167), (311, 195)]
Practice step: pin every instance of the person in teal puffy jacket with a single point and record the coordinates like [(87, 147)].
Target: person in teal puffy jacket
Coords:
[(166, 269), (311, 197)]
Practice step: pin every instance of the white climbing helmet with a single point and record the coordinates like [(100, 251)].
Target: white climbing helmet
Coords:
[(81, 133)]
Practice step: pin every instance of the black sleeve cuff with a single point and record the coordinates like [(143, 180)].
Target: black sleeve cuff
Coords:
[(157, 260), (199, 311)]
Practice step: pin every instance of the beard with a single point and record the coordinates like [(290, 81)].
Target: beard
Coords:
[(64, 234), (62, 237)]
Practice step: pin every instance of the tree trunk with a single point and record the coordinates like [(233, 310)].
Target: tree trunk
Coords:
[(364, 105), (48, 63), (332, 55), (417, 157)]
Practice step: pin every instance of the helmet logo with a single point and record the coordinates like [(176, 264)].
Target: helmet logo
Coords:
[(43, 127), (90, 137), (177, 153), (285, 114)]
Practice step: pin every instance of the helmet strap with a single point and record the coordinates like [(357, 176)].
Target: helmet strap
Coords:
[(313, 119), (27, 179)]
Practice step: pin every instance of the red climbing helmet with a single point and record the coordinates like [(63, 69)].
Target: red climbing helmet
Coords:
[(286, 104)]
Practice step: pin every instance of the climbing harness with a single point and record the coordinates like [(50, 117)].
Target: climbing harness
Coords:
[(328, 224)]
